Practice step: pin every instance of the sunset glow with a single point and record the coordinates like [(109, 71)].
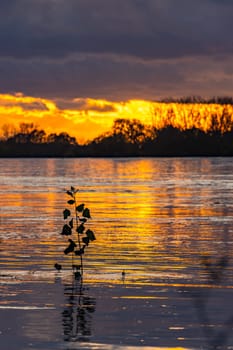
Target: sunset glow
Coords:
[(88, 118)]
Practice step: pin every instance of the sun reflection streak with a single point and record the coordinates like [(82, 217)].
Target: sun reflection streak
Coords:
[(142, 222), (154, 219)]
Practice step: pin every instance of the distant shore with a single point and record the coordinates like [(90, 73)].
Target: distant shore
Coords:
[(127, 139)]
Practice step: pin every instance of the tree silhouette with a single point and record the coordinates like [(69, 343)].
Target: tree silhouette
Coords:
[(131, 138), (132, 131)]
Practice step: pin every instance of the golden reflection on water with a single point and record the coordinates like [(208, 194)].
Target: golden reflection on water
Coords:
[(151, 216), (167, 223)]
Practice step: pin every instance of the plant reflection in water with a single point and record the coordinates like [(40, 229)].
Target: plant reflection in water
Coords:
[(77, 313)]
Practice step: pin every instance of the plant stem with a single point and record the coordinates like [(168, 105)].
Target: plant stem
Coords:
[(73, 261), (79, 240)]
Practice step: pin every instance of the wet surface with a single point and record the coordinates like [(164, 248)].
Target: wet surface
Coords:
[(168, 223)]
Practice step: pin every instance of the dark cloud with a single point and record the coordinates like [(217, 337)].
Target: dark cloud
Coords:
[(148, 29), (223, 2), (84, 104), (38, 106), (115, 79), (27, 106), (113, 47)]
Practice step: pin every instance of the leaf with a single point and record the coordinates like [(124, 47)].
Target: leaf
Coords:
[(76, 267), (86, 213), (86, 240), (71, 223), (69, 193), (66, 213), (80, 228), (71, 201), (66, 231), (58, 267), (70, 247), (90, 234), (80, 207), (79, 252), (73, 190), (83, 220)]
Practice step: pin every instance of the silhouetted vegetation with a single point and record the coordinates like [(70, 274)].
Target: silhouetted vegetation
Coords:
[(220, 100), (29, 141), (127, 138), (75, 229)]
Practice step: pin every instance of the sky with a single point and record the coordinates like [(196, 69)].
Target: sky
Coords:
[(85, 59)]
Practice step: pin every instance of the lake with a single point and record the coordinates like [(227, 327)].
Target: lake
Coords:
[(166, 222)]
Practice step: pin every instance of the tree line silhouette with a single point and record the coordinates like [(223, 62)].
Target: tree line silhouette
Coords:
[(220, 100), (126, 138)]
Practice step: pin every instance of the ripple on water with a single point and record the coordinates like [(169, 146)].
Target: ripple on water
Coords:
[(158, 220)]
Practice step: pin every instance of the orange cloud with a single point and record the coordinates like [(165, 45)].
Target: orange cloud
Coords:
[(88, 118), (82, 118)]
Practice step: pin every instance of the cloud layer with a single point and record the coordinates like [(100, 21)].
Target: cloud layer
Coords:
[(116, 49)]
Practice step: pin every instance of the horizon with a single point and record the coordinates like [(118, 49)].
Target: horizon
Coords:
[(80, 64), (88, 118)]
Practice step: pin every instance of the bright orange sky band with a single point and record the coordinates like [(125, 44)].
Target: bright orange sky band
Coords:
[(88, 118)]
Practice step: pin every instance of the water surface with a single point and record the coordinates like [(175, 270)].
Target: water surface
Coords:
[(166, 222)]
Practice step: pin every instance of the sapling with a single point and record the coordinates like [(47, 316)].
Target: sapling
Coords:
[(75, 228)]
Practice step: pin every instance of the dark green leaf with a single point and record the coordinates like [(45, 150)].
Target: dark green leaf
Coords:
[(72, 242), (58, 267), (69, 193), (66, 231), (85, 240), (71, 223), (86, 213), (79, 252), (80, 228), (70, 247), (80, 207), (66, 213), (90, 234), (71, 201), (83, 220)]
